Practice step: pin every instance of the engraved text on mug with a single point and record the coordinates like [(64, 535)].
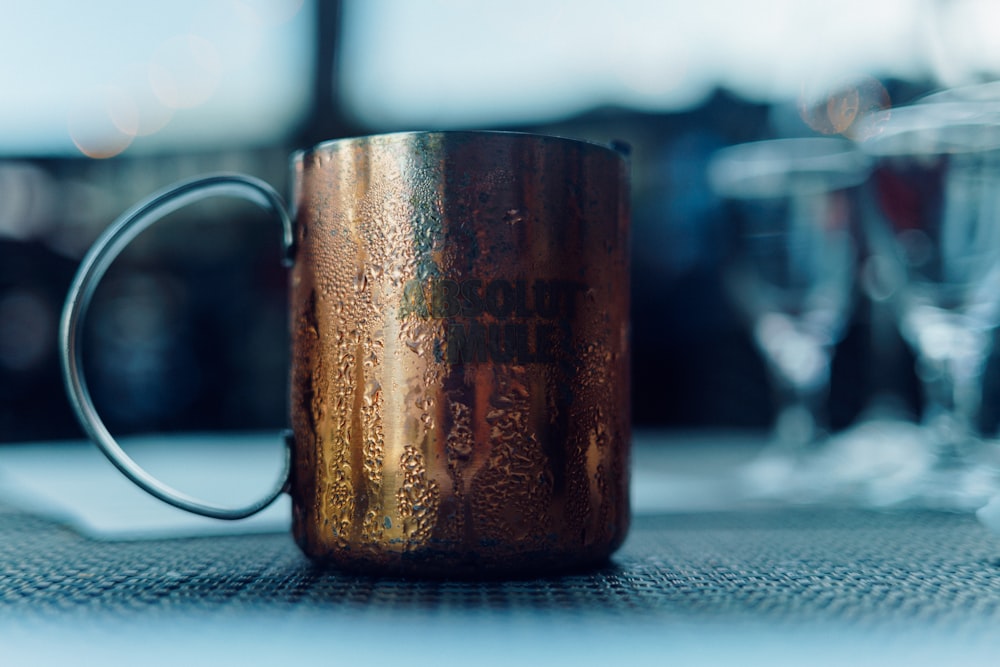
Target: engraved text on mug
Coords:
[(499, 321)]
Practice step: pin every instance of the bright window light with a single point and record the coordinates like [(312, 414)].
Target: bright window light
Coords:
[(436, 63), (104, 76)]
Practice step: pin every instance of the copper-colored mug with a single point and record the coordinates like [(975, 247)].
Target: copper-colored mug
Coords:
[(460, 350)]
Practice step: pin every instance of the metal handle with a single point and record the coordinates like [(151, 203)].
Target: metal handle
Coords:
[(95, 264)]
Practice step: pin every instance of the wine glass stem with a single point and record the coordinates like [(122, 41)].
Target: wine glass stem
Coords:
[(953, 385), (801, 415)]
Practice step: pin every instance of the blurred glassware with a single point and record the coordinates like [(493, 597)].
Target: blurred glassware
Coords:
[(985, 96), (793, 204), (876, 461), (934, 224)]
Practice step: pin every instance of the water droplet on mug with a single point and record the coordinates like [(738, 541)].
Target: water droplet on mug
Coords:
[(513, 216), (360, 281), (396, 275), (372, 387)]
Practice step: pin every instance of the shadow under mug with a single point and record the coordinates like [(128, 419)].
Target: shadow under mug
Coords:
[(459, 315)]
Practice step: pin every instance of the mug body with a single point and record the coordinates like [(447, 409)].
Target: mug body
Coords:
[(460, 353)]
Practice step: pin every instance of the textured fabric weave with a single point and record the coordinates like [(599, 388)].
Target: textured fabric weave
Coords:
[(775, 566)]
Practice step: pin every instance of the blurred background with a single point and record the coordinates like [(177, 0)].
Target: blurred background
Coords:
[(105, 102)]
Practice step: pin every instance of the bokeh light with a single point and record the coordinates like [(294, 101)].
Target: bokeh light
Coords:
[(103, 121), (27, 200), (234, 29), (151, 114), (842, 109), (185, 71)]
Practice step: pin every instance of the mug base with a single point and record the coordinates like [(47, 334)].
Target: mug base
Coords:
[(467, 567)]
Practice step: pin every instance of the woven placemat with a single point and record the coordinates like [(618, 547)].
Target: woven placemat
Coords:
[(776, 566)]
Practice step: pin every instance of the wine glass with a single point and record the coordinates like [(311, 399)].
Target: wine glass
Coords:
[(792, 206), (934, 220)]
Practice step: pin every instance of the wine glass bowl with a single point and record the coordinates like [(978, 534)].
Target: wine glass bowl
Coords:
[(792, 208), (934, 219)]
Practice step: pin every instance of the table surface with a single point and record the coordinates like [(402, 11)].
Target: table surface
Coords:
[(779, 585)]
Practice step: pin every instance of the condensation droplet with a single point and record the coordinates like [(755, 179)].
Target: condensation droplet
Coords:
[(361, 281), (513, 216), (372, 387)]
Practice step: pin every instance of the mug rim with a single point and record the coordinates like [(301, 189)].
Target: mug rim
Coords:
[(618, 148)]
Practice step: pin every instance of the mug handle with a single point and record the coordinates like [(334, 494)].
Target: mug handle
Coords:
[(93, 267)]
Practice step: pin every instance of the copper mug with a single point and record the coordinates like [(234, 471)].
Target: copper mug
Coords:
[(460, 350)]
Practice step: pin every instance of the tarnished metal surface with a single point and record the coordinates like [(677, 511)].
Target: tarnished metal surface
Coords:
[(460, 377)]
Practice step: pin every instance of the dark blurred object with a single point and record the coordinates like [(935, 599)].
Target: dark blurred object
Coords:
[(694, 365), (189, 332), (32, 285)]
